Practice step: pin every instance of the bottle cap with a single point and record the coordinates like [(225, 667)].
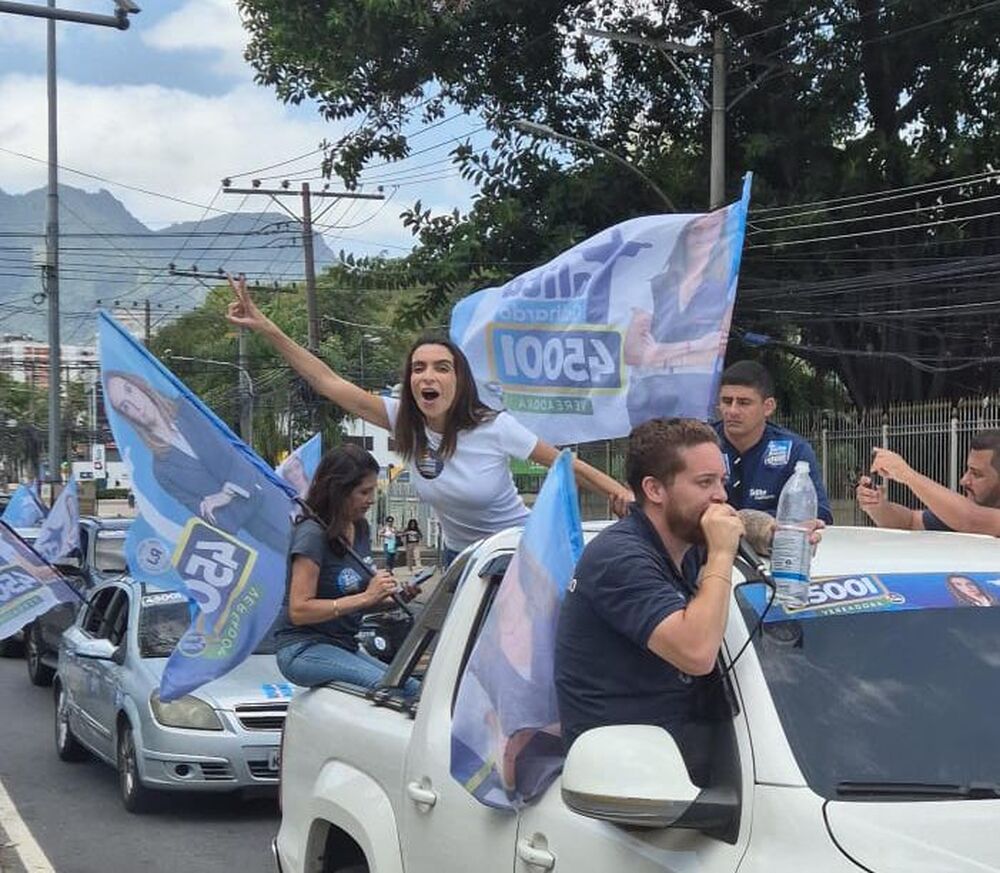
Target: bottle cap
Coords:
[(801, 466)]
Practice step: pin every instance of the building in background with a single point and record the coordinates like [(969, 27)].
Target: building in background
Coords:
[(26, 360)]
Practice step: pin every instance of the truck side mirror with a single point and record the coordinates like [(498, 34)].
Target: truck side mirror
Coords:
[(635, 775), (96, 650)]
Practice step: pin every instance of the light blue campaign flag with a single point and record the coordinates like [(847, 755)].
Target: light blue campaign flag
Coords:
[(24, 509), (28, 586), (298, 468), (506, 745), (60, 532), (214, 518), (629, 325)]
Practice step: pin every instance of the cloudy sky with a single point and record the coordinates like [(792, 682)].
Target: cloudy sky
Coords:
[(170, 106)]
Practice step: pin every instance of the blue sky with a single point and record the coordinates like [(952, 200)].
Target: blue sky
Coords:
[(170, 105)]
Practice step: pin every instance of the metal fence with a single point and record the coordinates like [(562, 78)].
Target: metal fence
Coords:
[(933, 437), (399, 499)]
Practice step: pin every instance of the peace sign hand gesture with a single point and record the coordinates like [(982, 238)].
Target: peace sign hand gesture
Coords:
[(243, 312)]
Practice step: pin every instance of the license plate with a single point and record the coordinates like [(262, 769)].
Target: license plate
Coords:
[(274, 760)]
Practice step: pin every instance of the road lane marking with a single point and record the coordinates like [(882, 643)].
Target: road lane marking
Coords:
[(22, 842)]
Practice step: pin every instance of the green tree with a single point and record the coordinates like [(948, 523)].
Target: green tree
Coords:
[(855, 96), (357, 339)]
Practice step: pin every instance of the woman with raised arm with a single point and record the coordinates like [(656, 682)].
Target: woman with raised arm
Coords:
[(457, 448)]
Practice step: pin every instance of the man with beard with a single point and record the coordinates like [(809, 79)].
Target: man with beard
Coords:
[(978, 511), (642, 621)]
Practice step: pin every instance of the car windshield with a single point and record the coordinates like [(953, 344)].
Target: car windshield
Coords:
[(163, 619), (886, 697), (109, 551)]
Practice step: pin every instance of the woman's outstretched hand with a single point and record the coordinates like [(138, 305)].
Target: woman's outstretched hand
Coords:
[(243, 312)]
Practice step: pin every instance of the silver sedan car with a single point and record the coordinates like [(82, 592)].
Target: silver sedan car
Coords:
[(224, 736)]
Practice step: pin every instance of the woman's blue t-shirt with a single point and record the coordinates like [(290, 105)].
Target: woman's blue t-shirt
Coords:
[(339, 576)]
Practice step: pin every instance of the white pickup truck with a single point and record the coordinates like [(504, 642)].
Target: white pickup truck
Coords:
[(862, 740)]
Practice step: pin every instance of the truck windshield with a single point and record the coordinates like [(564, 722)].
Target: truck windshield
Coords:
[(109, 552), (163, 619), (886, 698)]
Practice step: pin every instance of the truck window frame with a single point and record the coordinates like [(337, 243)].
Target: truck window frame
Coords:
[(421, 638)]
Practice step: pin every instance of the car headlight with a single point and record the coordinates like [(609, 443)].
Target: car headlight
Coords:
[(187, 712)]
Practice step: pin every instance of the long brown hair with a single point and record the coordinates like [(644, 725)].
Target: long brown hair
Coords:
[(340, 471), (467, 410), (166, 407)]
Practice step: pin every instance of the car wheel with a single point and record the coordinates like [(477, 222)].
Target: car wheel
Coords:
[(38, 672), (136, 797), (68, 748)]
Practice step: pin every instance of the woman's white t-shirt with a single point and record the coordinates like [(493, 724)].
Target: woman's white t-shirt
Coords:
[(473, 491)]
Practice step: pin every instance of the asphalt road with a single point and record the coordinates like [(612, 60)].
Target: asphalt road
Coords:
[(74, 813)]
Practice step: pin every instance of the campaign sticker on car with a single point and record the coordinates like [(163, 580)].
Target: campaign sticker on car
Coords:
[(882, 592), (277, 690)]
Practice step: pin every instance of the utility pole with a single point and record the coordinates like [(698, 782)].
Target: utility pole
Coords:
[(146, 323), (246, 398), (52, 257), (717, 178), (717, 105), (312, 306), (119, 20), (306, 221)]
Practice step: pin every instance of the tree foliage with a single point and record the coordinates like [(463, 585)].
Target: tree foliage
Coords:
[(357, 341), (828, 101)]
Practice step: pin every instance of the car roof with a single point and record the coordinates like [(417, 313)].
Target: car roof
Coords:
[(28, 533), (848, 550), (106, 523)]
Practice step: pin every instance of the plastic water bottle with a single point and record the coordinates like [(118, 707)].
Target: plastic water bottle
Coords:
[(791, 551)]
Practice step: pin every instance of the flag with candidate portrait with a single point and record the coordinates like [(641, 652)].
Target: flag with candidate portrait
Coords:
[(629, 325), (24, 508), (28, 586), (506, 745), (213, 518), (298, 468), (60, 532)]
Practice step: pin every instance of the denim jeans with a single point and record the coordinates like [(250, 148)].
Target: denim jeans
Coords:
[(314, 663), (447, 557)]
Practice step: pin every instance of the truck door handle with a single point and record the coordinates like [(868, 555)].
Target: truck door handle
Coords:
[(421, 794), (534, 856)]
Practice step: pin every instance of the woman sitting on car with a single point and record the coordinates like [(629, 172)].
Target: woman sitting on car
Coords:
[(331, 578)]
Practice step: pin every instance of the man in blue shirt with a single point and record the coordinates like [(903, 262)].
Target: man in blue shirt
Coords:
[(980, 484), (642, 622), (760, 457)]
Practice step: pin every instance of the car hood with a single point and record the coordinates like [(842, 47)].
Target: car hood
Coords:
[(255, 680), (917, 837)]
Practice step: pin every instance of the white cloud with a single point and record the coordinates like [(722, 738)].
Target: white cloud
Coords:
[(170, 141), (204, 26), (22, 31)]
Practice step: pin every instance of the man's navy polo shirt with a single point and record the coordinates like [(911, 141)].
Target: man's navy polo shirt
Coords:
[(932, 522), (625, 585), (757, 476)]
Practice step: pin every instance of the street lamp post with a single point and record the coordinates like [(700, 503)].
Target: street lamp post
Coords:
[(374, 340), (246, 421), (119, 20), (543, 130)]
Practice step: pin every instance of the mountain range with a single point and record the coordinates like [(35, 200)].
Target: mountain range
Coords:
[(110, 259)]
